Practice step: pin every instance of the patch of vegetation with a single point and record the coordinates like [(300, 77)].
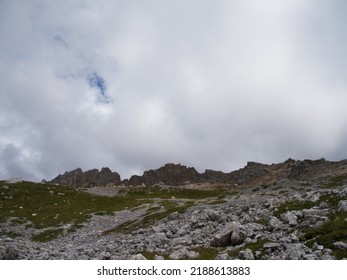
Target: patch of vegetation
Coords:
[(47, 235), (294, 205), (153, 209), (333, 230), (47, 205), (256, 189), (168, 193), (17, 221), (148, 220), (332, 199), (206, 253), (218, 201), (151, 255), (50, 206), (10, 234), (261, 221), (336, 181), (283, 192), (254, 247)]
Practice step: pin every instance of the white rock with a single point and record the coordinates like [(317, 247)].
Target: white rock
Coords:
[(342, 206), (341, 245), (290, 218), (179, 254), (247, 254), (275, 223), (138, 257), (14, 180)]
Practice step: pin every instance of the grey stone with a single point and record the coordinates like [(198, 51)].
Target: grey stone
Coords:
[(247, 254), (341, 245), (138, 257), (238, 234), (213, 215), (271, 246), (342, 206), (290, 218), (185, 240), (223, 256), (221, 239), (275, 223), (294, 252), (10, 253), (192, 254), (179, 254)]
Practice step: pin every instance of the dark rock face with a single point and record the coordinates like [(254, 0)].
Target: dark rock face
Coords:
[(176, 174), (169, 174), (90, 178)]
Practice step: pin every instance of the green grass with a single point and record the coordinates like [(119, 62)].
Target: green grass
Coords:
[(332, 199), (333, 230), (294, 205), (168, 193), (336, 181), (261, 221), (44, 206), (206, 253), (150, 219), (217, 202), (47, 235), (47, 205), (10, 234), (255, 246)]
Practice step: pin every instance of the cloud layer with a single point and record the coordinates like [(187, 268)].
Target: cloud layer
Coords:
[(135, 84)]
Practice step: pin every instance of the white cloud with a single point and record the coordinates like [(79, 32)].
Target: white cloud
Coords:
[(210, 85)]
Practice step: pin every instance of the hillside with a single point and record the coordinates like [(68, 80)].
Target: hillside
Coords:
[(289, 210)]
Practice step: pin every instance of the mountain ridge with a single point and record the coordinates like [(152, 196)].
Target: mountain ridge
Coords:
[(176, 174)]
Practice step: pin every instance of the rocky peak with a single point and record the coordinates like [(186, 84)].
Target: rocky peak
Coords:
[(90, 178), (169, 174)]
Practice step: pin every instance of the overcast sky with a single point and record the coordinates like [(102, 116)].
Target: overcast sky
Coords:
[(133, 85)]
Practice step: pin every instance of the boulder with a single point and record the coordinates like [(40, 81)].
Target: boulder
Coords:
[(179, 254), (233, 234), (238, 234), (342, 206), (247, 254), (9, 253), (275, 224), (138, 257), (290, 218), (341, 245)]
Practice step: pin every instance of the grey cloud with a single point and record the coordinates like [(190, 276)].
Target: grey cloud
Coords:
[(206, 85)]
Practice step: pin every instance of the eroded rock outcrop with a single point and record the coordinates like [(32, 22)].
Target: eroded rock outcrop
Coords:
[(176, 174), (90, 178)]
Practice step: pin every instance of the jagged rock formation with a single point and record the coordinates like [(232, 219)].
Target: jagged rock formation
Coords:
[(90, 178), (176, 174), (169, 174)]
